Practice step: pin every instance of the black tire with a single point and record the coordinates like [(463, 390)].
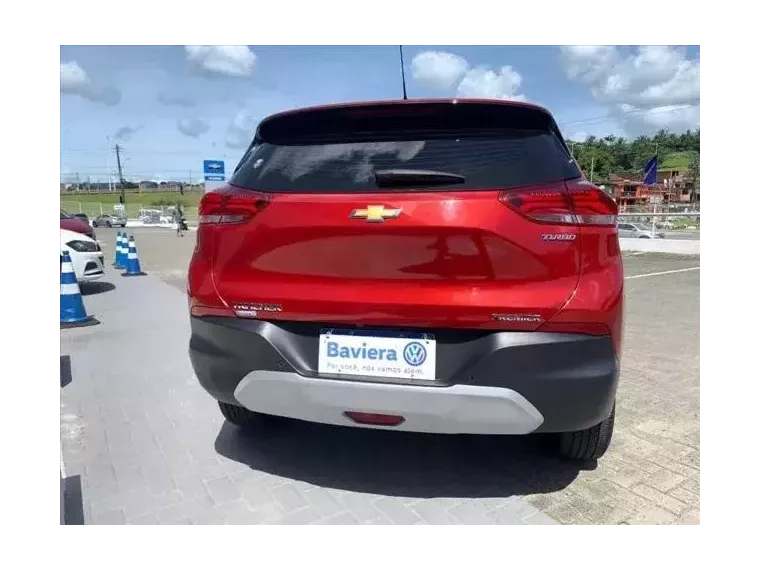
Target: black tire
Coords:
[(644, 237), (243, 417), (588, 444), (108, 224)]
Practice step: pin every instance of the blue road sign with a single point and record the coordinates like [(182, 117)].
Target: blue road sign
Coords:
[(213, 177), (213, 168)]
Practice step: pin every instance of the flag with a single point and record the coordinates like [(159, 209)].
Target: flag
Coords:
[(650, 171)]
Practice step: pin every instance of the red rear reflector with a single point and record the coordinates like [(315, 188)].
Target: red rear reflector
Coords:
[(204, 311), (374, 419), (576, 206), (230, 206)]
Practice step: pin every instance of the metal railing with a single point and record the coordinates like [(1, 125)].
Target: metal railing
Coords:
[(133, 211), (651, 218), (136, 211)]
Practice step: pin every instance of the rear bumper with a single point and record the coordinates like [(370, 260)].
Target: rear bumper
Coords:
[(454, 409), (488, 382)]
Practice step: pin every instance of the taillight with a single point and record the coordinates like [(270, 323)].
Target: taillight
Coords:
[(592, 207), (230, 206), (581, 205)]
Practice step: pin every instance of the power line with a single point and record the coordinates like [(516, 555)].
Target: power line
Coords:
[(588, 120), (612, 116), (146, 151)]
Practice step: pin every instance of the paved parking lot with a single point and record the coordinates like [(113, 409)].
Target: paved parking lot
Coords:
[(143, 443)]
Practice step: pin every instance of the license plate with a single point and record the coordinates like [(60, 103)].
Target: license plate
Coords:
[(377, 354)]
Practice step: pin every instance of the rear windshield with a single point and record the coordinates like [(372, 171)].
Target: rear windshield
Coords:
[(487, 160)]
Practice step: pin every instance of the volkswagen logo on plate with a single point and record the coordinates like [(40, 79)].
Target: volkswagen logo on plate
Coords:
[(415, 354)]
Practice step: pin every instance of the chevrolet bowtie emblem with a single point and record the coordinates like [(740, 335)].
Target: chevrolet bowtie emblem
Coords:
[(375, 214)]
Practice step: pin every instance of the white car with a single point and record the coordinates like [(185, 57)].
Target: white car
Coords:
[(86, 255), (626, 230)]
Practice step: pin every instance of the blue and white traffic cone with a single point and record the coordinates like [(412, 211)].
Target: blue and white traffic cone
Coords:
[(117, 255), (133, 262), (123, 252), (72, 306)]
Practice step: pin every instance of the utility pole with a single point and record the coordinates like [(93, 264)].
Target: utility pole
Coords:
[(121, 177), (592, 169)]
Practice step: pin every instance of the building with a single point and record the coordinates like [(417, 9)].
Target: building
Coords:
[(678, 182), (628, 189), (674, 184)]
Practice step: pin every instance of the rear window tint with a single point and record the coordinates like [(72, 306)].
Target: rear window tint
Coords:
[(507, 158)]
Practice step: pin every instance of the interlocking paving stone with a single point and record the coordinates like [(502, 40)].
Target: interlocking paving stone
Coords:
[(151, 445)]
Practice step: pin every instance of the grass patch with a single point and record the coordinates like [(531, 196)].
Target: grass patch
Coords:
[(676, 160), (95, 204), (190, 198)]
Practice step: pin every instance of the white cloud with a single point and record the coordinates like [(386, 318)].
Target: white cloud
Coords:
[(193, 127), (588, 63), (486, 83), (241, 130), (579, 136), (653, 88), (438, 69), (443, 70), (73, 77), (125, 132), (234, 61), (75, 81), (175, 100)]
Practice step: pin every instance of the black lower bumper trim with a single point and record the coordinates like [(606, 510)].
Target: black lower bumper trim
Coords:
[(570, 378)]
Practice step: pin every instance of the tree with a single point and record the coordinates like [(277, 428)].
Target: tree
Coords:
[(615, 154)]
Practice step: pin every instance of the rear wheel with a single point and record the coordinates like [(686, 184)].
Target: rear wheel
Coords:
[(588, 444), (243, 417)]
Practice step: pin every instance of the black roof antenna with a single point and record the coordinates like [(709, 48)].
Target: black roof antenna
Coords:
[(403, 76)]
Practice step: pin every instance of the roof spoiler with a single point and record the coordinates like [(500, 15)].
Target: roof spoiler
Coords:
[(380, 119)]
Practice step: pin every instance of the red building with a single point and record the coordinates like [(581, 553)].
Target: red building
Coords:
[(671, 187)]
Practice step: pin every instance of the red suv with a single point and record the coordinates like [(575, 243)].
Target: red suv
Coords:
[(430, 266), (74, 224)]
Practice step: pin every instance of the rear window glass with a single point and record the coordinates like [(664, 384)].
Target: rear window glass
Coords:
[(486, 160)]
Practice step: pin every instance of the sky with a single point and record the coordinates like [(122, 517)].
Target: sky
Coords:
[(171, 107)]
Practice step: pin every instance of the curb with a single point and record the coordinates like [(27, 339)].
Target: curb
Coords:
[(677, 246)]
